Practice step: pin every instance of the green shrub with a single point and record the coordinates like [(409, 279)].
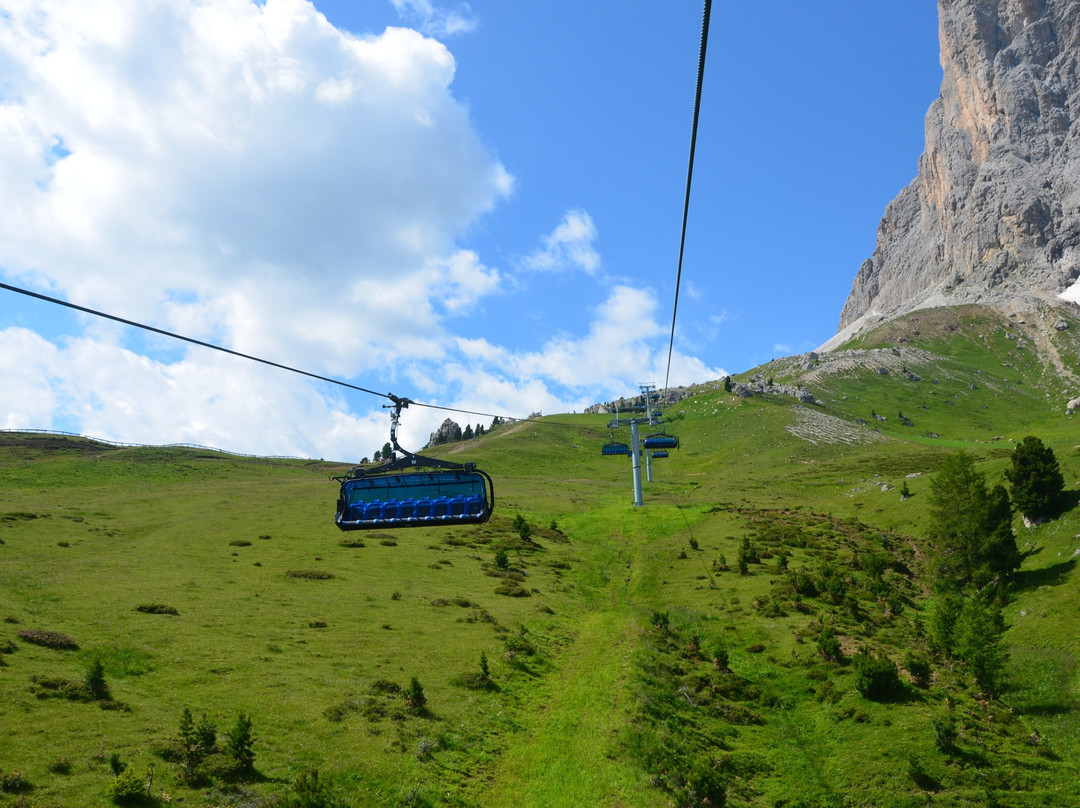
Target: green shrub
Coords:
[(116, 765), (512, 589), (502, 561), (314, 575), (156, 608), (919, 668), (14, 782), (310, 792), (44, 687), (876, 676), (829, 646), (219, 766), (127, 788), (945, 734), (60, 765)]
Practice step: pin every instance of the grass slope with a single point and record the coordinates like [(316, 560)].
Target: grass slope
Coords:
[(631, 664)]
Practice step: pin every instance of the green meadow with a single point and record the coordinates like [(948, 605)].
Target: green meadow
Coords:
[(629, 660)]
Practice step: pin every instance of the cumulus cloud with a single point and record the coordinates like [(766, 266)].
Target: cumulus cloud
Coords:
[(250, 160), (619, 348), (568, 246)]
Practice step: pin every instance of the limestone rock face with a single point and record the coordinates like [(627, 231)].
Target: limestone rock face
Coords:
[(994, 213)]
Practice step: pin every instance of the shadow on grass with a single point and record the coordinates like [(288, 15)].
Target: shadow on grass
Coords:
[(1047, 576), (1066, 501)]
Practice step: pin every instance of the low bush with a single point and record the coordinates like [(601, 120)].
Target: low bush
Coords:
[(314, 575), (49, 639), (55, 687), (156, 608), (919, 668), (945, 734), (13, 782), (60, 765), (829, 646), (127, 788), (512, 589), (239, 543), (219, 766), (876, 675), (352, 543)]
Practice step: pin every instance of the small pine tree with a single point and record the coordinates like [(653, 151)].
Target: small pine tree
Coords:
[(502, 561), (415, 699), (95, 681), (240, 741), (468, 433), (485, 671), (979, 631)]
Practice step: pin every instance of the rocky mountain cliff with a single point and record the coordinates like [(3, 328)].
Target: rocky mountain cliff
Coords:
[(994, 214)]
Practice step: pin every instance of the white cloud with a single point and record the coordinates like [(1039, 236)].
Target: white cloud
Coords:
[(782, 350), (246, 174), (568, 246), (437, 20), (28, 368), (622, 347), (228, 150)]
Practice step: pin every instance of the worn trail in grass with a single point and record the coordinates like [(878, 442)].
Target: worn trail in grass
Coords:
[(568, 750)]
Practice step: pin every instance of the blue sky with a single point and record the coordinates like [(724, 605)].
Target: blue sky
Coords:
[(474, 205)]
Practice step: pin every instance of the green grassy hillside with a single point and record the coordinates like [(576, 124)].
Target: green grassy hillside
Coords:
[(629, 661)]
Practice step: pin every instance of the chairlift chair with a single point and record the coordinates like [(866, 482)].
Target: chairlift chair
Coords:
[(413, 491), (661, 441)]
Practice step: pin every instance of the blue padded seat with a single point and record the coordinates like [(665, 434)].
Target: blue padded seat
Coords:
[(474, 505)]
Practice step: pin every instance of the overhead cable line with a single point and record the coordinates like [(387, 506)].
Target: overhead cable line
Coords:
[(689, 177), (212, 346)]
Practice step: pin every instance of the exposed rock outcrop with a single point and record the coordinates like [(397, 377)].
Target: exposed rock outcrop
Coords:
[(994, 213)]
